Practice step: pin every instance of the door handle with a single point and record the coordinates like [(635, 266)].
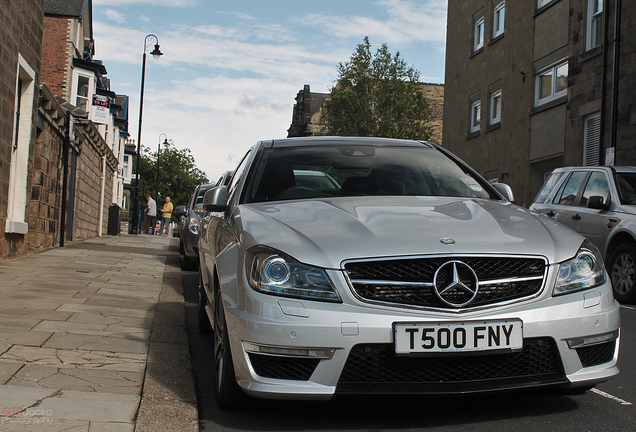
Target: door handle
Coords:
[(576, 217), (550, 214)]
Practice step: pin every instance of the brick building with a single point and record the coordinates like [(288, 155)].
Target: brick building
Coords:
[(530, 87), (306, 112)]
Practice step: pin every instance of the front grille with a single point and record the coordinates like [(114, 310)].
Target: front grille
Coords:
[(596, 354), (409, 281), (374, 368), (289, 368)]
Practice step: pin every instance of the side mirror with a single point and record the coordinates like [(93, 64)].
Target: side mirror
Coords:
[(215, 200), (504, 190), (180, 211), (596, 202)]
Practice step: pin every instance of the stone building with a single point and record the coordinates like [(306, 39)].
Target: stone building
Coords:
[(529, 87), (307, 109), (20, 61), (56, 169)]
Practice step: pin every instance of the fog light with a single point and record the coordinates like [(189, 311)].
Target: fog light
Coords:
[(316, 353), (592, 340)]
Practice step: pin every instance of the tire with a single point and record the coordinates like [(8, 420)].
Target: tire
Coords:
[(622, 271), (229, 395), (204, 321)]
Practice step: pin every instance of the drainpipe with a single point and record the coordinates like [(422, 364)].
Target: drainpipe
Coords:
[(604, 74), (65, 149), (101, 204), (617, 52)]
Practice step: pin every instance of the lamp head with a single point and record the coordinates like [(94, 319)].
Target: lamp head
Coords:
[(156, 53)]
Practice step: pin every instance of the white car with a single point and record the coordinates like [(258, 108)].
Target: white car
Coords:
[(414, 276)]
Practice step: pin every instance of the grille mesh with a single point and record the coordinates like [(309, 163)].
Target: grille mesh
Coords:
[(289, 368), (596, 354), (374, 366), (527, 272)]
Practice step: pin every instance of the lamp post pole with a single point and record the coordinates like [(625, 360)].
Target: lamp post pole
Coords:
[(165, 143), (156, 53)]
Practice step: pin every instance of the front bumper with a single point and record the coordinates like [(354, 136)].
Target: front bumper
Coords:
[(275, 342)]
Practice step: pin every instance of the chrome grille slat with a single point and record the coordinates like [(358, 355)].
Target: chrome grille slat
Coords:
[(409, 281)]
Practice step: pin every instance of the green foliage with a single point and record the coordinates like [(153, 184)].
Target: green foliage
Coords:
[(178, 175), (377, 95)]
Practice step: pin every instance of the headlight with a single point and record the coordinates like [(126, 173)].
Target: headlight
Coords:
[(582, 272), (194, 226), (274, 273)]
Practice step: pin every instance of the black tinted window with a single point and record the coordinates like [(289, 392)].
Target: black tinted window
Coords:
[(282, 173)]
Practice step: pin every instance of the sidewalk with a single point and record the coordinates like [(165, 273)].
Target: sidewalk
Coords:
[(93, 338)]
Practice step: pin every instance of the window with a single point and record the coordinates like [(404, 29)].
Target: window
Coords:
[(552, 83), (541, 3), (592, 139), (570, 190), (548, 186), (124, 168), (594, 20), (598, 187), (498, 19), (495, 107), (479, 34), (81, 100), (475, 116)]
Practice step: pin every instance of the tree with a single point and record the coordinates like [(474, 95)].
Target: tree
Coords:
[(178, 174), (377, 95)]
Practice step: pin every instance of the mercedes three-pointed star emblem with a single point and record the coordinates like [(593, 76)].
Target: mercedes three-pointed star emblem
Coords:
[(456, 283)]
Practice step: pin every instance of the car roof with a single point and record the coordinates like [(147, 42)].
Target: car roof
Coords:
[(625, 169), (344, 141)]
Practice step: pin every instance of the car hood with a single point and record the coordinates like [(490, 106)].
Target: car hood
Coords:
[(328, 231)]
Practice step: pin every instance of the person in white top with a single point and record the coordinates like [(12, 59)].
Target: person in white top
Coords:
[(151, 210)]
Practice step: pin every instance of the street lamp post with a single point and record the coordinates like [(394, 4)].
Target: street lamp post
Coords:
[(165, 143), (156, 53)]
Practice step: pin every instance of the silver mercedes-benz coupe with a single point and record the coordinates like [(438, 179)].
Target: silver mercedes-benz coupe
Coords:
[(408, 273)]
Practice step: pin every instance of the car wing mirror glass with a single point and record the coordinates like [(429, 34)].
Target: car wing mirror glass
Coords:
[(215, 199)]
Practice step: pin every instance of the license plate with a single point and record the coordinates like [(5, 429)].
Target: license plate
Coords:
[(429, 337)]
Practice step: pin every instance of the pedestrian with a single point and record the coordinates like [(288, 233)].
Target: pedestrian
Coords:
[(151, 211), (166, 214)]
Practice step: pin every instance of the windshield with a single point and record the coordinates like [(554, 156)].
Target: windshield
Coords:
[(332, 171)]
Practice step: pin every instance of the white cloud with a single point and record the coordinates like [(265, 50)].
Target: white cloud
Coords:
[(408, 22), (173, 3), (115, 16)]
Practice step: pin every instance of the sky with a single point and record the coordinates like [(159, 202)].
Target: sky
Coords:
[(231, 69)]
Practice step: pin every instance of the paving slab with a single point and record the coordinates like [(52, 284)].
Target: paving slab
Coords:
[(92, 338)]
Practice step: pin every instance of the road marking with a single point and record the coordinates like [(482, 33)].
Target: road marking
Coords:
[(609, 396), (628, 307)]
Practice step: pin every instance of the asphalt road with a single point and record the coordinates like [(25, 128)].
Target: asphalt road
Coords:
[(608, 407)]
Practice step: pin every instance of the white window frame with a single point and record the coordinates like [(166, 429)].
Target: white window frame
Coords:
[(499, 19), (479, 34), (91, 88), (594, 23), (555, 92), (19, 163), (495, 101), (475, 116)]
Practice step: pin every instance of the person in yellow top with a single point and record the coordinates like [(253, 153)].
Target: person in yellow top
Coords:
[(166, 213)]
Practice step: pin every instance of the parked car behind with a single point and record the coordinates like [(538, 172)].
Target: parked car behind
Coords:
[(189, 219), (599, 203), (414, 276)]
